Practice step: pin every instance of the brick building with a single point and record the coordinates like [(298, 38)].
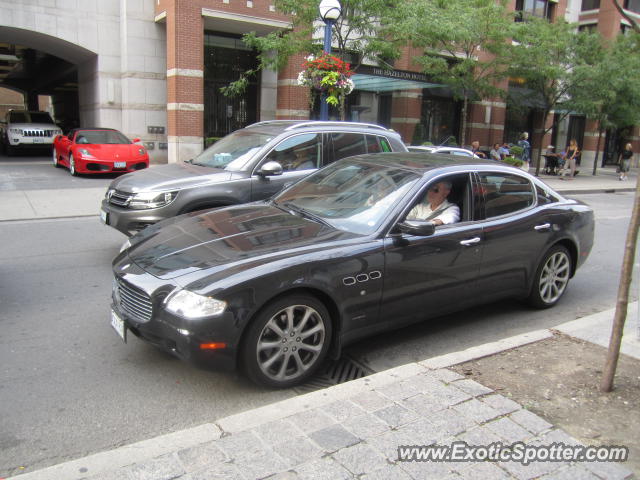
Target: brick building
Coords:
[(153, 69)]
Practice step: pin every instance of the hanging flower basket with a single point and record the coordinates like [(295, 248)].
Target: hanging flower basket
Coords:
[(327, 74)]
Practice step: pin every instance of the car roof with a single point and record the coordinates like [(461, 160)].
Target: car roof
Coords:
[(280, 126), (421, 162)]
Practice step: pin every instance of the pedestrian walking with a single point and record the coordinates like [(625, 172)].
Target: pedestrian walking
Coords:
[(526, 150), (625, 161), (570, 159)]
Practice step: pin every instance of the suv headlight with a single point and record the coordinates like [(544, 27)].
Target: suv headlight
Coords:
[(143, 200), (17, 131), (191, 305)]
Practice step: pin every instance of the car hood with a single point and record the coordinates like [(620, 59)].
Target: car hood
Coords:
[(35, 126), (174, 176), (114, 152), (227, 238)]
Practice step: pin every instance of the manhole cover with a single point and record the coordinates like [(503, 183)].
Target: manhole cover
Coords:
[(334, 372)]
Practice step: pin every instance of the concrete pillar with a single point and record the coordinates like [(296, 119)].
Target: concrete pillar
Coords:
[(293, 100)]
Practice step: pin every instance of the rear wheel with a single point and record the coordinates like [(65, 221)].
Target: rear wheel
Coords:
[(287, 342), (552, 278)]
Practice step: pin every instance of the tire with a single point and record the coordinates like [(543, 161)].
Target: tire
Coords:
[(72, 166), (552, 277), (10, 151), (275, 353), (55, 159)]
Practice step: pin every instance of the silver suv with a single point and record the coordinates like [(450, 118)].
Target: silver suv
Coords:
[(247, 165)]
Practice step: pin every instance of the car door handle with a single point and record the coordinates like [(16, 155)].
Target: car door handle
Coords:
[(544, 226), (471, 241)]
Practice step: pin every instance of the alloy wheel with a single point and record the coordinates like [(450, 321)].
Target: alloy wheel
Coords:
[(291, 343), (554, 277)]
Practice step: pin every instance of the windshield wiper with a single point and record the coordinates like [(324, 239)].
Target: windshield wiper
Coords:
[(305, 213)]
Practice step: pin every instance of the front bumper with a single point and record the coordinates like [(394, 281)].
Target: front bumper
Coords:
[(86, 165), (183, 338), (132, 221)]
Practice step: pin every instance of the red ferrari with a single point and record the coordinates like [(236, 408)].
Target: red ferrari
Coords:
[(98, 150)]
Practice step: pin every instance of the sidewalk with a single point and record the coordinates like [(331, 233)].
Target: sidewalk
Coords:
[(353, 430), (42, 204)]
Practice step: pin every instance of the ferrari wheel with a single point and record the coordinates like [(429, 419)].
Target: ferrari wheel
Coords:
[(72, 165), (552, 278), (55, 159), (287, 342)]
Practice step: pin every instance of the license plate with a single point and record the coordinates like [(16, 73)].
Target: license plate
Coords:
[(119, 164), (104, 216), (119, 326), (38, 140)]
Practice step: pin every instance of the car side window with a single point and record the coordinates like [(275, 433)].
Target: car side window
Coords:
[(376, 144), (545, 196), (505, 193), (458, 197), (300, 152), (347, 144)]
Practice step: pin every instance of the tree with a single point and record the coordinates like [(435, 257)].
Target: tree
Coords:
[(622, 302), (464, 44), (607, 89), (546, 56), (355, 32)]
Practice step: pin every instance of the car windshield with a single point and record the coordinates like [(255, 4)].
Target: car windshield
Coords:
[(40, 117), (101, 137), (350, 196), (233, 151)]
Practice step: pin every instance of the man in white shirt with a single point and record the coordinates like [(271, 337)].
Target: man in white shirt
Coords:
[(435, 207)]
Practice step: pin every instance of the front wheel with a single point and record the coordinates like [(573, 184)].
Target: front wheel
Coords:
[(72, 165), (55, 158), (287, 342), (552, 278)]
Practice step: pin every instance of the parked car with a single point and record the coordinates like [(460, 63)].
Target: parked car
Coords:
[(98, 150), (249, 164), (442, 149), (24, 129), (275, 286)]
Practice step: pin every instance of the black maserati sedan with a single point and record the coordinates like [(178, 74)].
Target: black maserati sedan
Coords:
[(274, 287)]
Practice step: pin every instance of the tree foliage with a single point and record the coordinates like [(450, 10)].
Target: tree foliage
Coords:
[(548, 58), (360, 30), (463, 41)]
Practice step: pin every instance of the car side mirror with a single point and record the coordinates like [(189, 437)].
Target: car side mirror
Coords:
[(270, 169), (136, 140), (419, 228)]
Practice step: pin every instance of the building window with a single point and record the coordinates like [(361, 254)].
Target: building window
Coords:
[(632, 5), (534, 8), (590, 5), (590, 28)]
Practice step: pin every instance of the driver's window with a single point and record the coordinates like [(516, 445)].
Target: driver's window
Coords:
[(300, 152), (441, 202)]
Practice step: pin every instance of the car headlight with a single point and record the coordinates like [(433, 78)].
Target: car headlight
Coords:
[(141, 151), (144, 200), (191, 305), (85, 153), (17, 131)]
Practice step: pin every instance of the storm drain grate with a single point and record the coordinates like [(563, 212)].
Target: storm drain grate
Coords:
[(335, 372)]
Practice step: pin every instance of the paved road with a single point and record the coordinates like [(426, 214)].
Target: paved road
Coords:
[(69, 387)]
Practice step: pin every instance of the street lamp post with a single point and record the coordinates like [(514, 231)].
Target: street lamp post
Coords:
[(329, 12)]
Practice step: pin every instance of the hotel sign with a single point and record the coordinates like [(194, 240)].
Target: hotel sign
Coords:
[(398, 74)]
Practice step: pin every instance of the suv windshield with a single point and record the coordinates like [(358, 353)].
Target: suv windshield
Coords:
[(233, 151), (351, 196)]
